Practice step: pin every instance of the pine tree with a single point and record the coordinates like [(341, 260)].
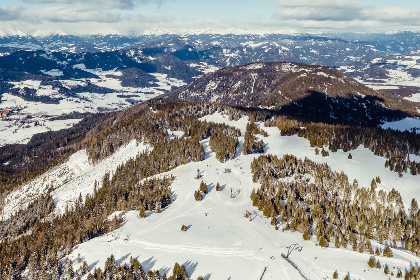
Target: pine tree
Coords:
[(386, 269), (378, 265), (337, 242), (335, 275), (85, 268), (323, 242), (218, 187), (110, 266), (198, 196), (387, 252), (373, 185), (414, 208), (142, 213), (203, 187), (372, 262), (306, 234)]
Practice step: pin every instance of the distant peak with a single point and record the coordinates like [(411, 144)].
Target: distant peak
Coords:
[(12, 32)]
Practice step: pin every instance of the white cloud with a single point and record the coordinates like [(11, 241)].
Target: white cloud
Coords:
[(119, 4), (345, 14), (75, 14), (10, 13), (134, 16)]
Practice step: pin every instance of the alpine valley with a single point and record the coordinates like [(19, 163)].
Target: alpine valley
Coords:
[(209, 156)]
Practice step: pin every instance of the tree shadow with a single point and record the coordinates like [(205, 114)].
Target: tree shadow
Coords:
[(164, 270), (92, 265), (352, 110), (190, 267), (122, 259), (210, 187), (148, 264)]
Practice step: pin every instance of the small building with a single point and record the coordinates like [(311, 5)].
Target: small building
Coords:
[(228, 170), (5, 113)]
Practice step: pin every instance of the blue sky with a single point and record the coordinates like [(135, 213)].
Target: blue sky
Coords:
[(138, 16)]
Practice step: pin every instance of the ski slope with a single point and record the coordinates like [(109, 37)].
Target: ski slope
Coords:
[(221, 243)]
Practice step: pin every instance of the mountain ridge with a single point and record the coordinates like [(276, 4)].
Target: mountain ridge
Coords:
[(294, 87)]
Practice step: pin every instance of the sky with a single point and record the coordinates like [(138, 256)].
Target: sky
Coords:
[(135, 17)]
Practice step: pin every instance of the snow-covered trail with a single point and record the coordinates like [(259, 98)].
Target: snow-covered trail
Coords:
[(221, 242)]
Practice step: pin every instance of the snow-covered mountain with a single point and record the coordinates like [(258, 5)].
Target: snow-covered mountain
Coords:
[(316, 92), (227, 235), (205, 156)]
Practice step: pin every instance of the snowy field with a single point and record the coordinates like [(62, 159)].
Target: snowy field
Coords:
[(14, 130), (398, 77), (414, 97), (17, 132), (407, 124), (220, 242)]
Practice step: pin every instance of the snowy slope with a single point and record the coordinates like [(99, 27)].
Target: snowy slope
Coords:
[(404, 124), (84, 183), (221, 243), (68, 180)]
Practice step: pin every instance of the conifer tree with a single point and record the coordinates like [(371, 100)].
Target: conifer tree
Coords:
[(387, 252), (198, 196), (142, 213), (372, 262), (378, 265), (306, 234), (203, 187), (373, 185), (414, 208), (386, 269), (323, 241)]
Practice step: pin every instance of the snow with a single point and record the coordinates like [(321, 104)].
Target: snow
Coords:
[(12, 132), (398, 76), (254, 66), (381, 87), (68, 180), (53, 72), (221, 243), (404, 124), (414, 97), (175, 133), (83, 184), (204, 67), (17, 131)]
